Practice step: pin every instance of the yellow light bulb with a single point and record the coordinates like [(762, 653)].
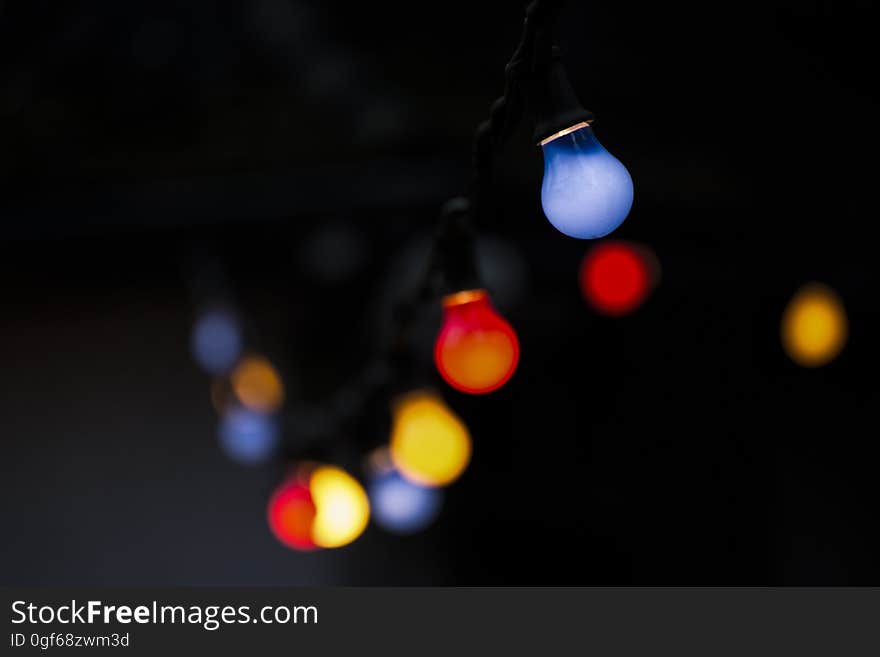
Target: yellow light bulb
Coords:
[(342, 507), (814, 326), (430, 445)]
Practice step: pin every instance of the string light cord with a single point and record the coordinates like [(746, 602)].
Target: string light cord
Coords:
[(585, 193), (531, 56), (452, 263)]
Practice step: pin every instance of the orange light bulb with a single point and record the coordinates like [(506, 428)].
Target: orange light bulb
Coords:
[(477, 350), (258, 385)]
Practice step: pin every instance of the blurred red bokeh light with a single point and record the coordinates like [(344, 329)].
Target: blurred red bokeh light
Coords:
[(291, 515), (615, 278)]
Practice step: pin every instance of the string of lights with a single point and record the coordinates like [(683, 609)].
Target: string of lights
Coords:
[(323, 295), (586, 193)]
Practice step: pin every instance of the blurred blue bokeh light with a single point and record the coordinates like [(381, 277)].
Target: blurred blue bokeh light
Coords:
[(401, 506), (586, 192), (216, 341), (248, 437)]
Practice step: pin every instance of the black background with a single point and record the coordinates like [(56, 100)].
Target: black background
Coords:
[(140, 140)]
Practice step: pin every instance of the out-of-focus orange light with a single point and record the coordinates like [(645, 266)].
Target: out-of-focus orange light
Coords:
[(430, 445), (476, 350), (814, 326), (616, 277), (320, 506), (257, 384)]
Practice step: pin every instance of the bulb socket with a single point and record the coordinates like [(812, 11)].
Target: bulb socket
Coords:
[(552, 100), (454, 259)]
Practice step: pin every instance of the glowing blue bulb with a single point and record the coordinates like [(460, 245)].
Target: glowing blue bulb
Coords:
[(216, 341), (586, 192), (402, 507), (248, 437)]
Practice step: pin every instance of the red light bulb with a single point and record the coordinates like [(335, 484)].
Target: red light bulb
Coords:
[(476, 350), (291, 514), (616, 278)]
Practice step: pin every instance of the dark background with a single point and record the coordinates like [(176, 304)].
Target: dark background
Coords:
[(300, 147)]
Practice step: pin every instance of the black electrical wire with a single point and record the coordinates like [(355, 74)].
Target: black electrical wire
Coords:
[(452, 262)]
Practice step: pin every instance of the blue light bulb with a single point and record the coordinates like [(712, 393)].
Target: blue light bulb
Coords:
[(248, 437), (401, 506), (586, 192), (216, 340)]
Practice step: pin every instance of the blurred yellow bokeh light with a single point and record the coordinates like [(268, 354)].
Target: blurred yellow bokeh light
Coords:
[(814, 326), (342, 507), (430, 445), (257, 384)]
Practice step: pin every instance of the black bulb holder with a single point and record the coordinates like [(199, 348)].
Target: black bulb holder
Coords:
[(551, 99), (453, 266)]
